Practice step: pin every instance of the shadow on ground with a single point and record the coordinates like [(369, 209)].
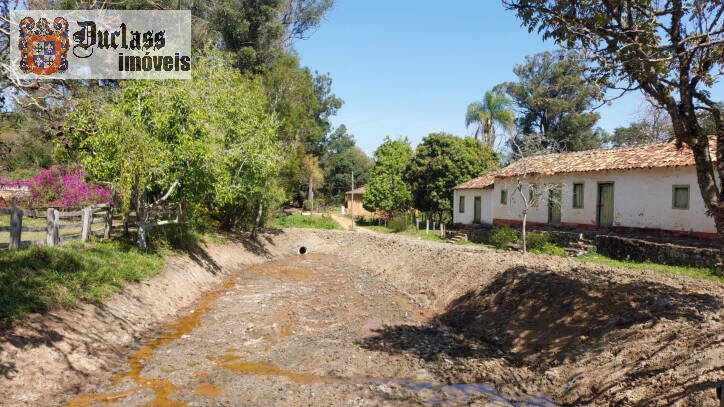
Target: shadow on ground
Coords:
[(539, 319), (256, 246)]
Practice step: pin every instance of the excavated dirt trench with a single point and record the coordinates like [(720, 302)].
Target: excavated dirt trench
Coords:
[(385, 320)]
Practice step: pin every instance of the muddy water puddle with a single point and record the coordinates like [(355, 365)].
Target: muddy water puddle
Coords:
[(303, 269), (176, 330)]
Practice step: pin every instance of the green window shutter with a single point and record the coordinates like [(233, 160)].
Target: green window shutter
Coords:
[(461, 205), (681, 197), (578, 196), (503, 196)]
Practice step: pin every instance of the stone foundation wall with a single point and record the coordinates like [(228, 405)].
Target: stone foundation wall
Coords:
[(622, 248)]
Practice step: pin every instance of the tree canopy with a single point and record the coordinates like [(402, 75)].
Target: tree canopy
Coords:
[(493, 110), (387, 189), (340, 160), (160, 138), (554, 98), (442, 161)]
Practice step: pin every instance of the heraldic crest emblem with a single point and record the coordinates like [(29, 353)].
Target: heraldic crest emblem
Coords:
[(43, 50)]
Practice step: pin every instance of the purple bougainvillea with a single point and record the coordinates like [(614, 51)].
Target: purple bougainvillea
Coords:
[(60, 186)]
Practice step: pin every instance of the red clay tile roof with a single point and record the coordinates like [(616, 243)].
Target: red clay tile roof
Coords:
[(357, 191), (486, 181), (647, 156)]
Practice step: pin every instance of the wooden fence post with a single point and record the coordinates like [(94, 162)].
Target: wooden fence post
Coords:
[(16, 225), (86, 223), (442, 231), (427, 226), (109, 223), (417, 224), (52, 237)]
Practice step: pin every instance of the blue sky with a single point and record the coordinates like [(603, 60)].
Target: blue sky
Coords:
[(409, 68)]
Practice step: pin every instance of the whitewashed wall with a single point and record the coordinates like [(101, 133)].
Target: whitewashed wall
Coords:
[(642, 199), (486, 207)]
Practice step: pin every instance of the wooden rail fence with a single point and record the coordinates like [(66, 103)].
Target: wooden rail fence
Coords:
[(83, 219)]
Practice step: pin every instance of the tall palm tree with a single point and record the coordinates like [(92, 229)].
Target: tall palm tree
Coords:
[(494, 109)]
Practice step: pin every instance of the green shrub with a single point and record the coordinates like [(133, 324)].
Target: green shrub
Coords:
[(501, 237), (307, 204), (550, 248), (301, 221), (398, 223), (536, 241)]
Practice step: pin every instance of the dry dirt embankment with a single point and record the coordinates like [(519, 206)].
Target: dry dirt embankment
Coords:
[(46, 356), (582, 334)]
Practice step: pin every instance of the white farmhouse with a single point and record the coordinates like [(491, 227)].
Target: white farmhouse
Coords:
[(649, 188)]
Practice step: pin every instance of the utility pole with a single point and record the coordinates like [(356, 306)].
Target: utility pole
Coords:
[(351, 205)]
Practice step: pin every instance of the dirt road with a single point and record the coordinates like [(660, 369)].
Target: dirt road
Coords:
[(347, 223), (287, 333)]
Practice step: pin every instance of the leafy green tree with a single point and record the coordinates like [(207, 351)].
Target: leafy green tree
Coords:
[(387, 189), (341, 159), (494, 109), (442, 161), (634, 134), (555, 99), (259, 31), (161, 139), (303, 104), (314, 177)]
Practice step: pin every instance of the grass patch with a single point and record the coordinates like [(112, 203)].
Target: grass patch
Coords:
[(469, 243), (39, 278), (42, 278), (549, 248), (699, 273), (378, 228), (313, 222), (433, 236)]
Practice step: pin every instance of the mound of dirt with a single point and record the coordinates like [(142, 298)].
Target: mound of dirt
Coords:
[(379, 317), (583, 334)]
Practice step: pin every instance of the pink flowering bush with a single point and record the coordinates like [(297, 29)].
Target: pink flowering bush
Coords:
[(60, 186)]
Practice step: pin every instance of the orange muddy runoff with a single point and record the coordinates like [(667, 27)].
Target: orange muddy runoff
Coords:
[(183, 326)]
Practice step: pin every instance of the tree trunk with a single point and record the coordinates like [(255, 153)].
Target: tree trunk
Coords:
[(310, 195), (522, 232), (719, 269), (141, 217), (258, 219), (708, 187)]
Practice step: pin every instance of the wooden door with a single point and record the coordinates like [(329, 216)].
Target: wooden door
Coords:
[(476, 210), (604, 207), (554, 205)]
